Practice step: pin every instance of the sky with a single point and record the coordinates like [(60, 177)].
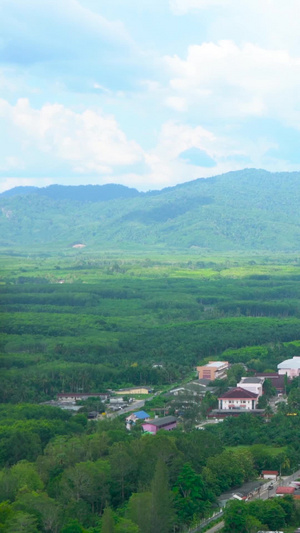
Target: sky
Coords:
[(145, 93)]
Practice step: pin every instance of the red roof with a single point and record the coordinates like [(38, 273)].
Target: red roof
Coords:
[(277, 380), (272, 472), (285, 490), (238, 393)]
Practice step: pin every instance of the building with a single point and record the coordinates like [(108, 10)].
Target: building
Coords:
[(194, 388), (220, 414), (153, 426), (134, 390), (290, 367), (282, 491), (276, 380), (270, 474), (238, 398), (76, 396), (214, 370), (252, 384), (134, 417)]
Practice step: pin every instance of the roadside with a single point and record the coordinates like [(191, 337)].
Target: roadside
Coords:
[(265, 490)]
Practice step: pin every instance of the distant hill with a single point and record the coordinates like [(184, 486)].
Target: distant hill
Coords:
[(81, 193), (243, 210)]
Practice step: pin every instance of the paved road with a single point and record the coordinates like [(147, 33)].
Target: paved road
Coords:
[(267, 491), (270, 488), (217, 527), (135, 406)]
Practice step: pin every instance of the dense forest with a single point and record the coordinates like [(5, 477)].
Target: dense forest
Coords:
[(80, 322), (222, 214), (95, 324)]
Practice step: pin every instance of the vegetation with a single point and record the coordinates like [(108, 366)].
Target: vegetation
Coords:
[(87, 323), (223, 214)]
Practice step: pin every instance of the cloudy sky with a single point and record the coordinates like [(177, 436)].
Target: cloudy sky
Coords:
[(147, 93)]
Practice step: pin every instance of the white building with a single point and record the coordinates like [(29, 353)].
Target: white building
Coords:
[(290, 367), (238, 398), (252, 384)]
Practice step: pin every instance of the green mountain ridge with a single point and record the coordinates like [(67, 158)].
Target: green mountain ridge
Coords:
[(243, 210)]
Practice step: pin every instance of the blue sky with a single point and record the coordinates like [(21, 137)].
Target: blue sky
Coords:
[(147, 93)]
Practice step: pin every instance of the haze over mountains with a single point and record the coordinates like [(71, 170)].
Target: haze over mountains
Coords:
[(243, 210)]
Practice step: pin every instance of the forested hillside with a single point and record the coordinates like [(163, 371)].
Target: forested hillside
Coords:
[(243, 210)]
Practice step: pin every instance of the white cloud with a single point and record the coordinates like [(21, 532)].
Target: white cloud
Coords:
[(86, 142), (166, 168), (267, 23), (176, 102), (226, 80)]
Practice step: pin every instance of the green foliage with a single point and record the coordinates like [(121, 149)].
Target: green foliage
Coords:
[(223, 213), (241, 517), (162, 514), (235, 517), (191, 497), (140, 510), (108, 522), (116, 323)]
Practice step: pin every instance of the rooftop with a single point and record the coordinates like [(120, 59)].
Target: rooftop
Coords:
[(238, 393), (285, 490), (217, 364), (162, 421), (290, 363), (252, 380), (141, 415)]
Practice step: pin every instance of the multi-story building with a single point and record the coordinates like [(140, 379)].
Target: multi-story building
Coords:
[(238, 398), (290, 367), (252, 384), (214, 370)]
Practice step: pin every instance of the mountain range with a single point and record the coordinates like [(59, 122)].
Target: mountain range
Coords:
[(243, 210)]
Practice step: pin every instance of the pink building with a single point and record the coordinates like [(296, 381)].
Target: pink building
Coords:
[(153, 426), (213, 370), (290, 367)]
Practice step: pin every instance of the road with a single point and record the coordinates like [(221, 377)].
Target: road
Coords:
[(270, 491), (135, 406), (267, 491), (217, 527)]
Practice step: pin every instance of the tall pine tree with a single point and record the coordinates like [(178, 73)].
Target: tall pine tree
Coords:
[(162, 514)]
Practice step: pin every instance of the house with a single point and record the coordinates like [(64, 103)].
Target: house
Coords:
[(269, 474), (134, 390), (75, 396), (134, 417), (214, 370), (177, 391), (93, 415), (252, 384), (194, 388), (153, 426), (282, 491), (290, 367), (238, 398), (276, 380)]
